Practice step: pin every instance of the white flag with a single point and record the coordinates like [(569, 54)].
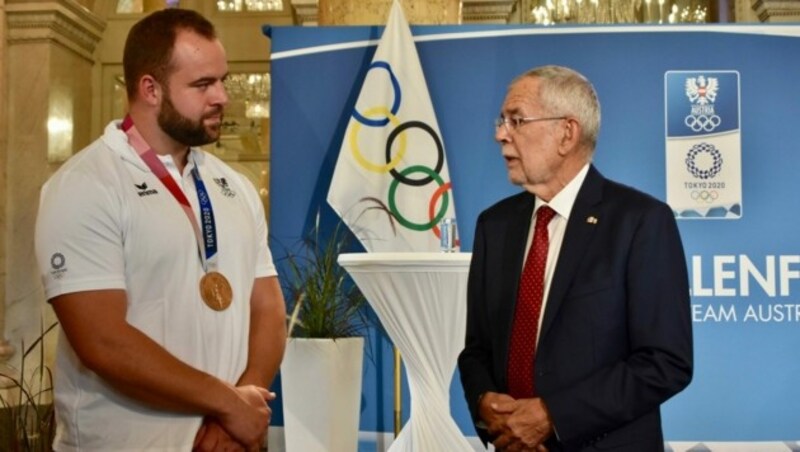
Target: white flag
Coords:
[(391, 184)]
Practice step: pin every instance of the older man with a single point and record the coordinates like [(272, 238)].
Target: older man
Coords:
[(578, 324)]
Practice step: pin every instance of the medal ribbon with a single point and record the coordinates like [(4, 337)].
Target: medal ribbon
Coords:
[(207, 239), (206, 215)]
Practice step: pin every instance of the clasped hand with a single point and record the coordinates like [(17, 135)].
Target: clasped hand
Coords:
[(516, 424), (244, 431)]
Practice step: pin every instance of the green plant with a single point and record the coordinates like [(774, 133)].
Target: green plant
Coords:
[(27, 418), (322, 299)]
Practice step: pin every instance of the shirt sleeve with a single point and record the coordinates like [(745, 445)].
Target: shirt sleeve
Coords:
[(265, 266), (79, 238)]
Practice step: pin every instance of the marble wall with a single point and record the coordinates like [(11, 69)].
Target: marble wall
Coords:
[(48, 61)]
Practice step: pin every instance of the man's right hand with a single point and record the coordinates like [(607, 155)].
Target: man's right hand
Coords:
[(247, 421), (495, 422)]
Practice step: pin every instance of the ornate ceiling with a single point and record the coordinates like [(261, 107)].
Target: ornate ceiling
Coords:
[(473, 11)]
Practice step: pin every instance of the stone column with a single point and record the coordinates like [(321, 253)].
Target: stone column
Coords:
[(375, 12), (50, 46), (742, 11), (6, 350)]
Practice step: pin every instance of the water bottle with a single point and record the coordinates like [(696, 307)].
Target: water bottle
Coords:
[(448, 235)]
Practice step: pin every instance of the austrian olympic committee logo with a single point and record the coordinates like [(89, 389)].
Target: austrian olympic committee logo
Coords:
[(397, 144), (703, 144), (702, 92)]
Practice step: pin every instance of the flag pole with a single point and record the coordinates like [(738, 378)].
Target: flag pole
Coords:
[(398, 402), (398, 367)]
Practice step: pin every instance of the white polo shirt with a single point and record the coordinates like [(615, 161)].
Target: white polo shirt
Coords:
[(106, 222)]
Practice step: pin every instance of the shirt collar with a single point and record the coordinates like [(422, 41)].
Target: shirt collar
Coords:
[(117, 140), (563, 201)]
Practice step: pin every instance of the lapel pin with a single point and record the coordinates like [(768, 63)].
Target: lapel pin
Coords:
[(591, 219)]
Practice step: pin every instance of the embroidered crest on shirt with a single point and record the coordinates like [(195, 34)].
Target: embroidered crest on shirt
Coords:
[(224, 188)]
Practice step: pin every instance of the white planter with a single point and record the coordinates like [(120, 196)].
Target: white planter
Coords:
[(321, 384)]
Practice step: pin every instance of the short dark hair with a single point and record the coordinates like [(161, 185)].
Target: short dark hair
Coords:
[(149, 46)]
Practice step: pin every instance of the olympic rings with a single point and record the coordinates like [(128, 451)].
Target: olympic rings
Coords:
[(700, 123), (705, 196), (393, 205), (395, 105), (439, 149), (391, 163), (382, 116), (706, 148)]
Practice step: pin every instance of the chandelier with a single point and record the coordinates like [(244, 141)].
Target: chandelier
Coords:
[(253, 89), (550, 12)]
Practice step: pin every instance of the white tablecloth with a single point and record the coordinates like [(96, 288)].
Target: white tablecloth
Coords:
[(420, 299)]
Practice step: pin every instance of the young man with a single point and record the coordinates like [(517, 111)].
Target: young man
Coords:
[(154, 257), (575, 346)]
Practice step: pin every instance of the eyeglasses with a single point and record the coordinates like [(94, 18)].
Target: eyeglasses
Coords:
[(512, 124)]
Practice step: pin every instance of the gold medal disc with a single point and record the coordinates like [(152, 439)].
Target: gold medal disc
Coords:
[(216, 291)]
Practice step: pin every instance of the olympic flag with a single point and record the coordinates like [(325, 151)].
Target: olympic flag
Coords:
[(391, 185)]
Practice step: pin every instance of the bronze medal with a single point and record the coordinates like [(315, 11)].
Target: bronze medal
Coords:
[(216, 291)]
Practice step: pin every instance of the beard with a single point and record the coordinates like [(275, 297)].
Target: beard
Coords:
[(184, 130)]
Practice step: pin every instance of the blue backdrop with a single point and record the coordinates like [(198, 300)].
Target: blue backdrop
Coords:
[(744, 272)]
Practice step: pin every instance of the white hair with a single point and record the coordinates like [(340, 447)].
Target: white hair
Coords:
[(565, 92)]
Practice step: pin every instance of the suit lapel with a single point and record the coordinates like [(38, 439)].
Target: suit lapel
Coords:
[(577, 237), (516, 233)]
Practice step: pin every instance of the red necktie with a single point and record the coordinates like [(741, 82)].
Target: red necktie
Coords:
[(522, 351)]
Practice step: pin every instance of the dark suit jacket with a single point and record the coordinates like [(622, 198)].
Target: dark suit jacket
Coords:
[(616, 336)]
